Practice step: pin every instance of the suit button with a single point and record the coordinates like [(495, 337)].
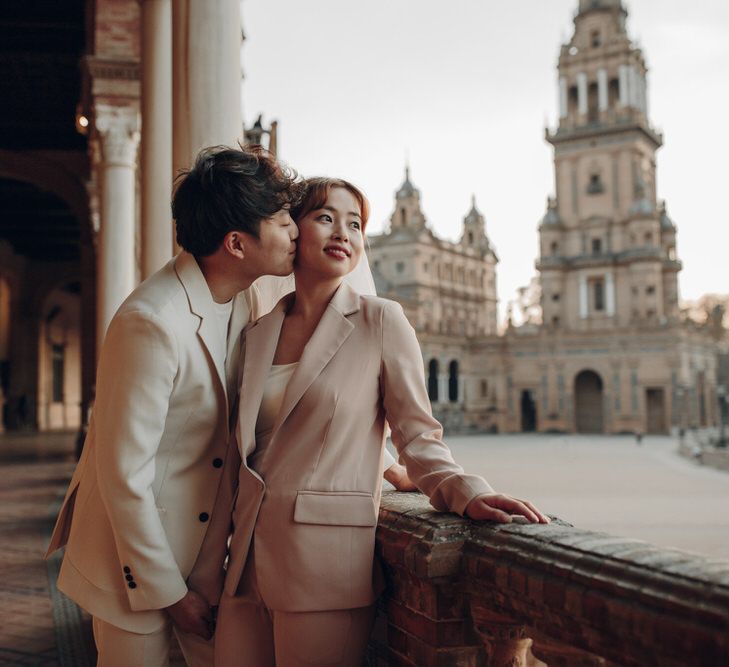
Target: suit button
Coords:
[(217, 463), (131, 584), (204, 516), (129, 577), (127, 569)]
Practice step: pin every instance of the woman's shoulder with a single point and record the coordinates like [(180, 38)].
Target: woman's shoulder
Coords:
[(378, 309)]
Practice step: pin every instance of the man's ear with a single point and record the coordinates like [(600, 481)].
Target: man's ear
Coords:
[(234, 244)]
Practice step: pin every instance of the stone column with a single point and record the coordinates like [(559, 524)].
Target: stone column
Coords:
[(563, 104), (581, 93), (118, 134), (206, 77), (156, 146), (584, 297), (443, 388), (623, 86), (602, 89), (609, 294)]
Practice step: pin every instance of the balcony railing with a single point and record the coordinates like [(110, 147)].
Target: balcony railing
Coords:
[(518, 595)]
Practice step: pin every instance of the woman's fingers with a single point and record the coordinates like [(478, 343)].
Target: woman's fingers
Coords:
[(514, 506), (543, 518), (499, 507), (480, 510)]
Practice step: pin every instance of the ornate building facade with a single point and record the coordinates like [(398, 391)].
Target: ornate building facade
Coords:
[(611, 353)]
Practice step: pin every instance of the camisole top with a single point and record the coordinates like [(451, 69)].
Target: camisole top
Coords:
[(273, 394)]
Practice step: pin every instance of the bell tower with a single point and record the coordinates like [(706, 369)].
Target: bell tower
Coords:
[(607, 247)]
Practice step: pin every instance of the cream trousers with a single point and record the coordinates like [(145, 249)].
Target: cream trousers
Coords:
[(121, 648)]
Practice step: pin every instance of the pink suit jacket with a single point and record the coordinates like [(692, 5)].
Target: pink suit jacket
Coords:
[(310, 509)]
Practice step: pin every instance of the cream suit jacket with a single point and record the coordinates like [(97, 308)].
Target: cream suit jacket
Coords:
[(310, 509), (136, 510)]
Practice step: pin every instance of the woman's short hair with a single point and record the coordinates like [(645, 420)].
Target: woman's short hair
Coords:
[(229, 189), (316, 191)]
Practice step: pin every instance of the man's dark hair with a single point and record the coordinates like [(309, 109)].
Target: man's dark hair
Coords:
[(229, 189)]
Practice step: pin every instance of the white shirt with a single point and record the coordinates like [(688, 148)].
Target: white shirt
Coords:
[(223, 312)]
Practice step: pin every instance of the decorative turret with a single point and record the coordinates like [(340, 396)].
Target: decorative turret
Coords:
[(407, 211), (474, 229)]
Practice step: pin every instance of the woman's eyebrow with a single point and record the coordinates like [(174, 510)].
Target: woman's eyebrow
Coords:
[(334, 210)]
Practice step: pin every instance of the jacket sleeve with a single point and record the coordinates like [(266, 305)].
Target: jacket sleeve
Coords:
[(137, 369), (416, 434)]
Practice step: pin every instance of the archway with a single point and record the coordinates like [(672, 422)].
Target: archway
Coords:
[(47, 247), (528, 411), (59, 359), (588, 402)]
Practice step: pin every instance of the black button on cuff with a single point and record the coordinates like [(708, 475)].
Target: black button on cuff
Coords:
[(129, 577), (131, 584), (204, 516), (127, 569), (217, 463)]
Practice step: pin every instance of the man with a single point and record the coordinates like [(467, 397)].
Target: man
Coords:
[(139, 501)]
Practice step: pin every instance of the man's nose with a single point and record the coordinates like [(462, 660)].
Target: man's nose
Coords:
[(294, 231)]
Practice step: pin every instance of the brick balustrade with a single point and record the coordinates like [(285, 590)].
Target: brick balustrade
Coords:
[(461, 593)]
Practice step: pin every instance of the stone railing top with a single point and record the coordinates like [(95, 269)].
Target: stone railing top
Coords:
[(623, 599)]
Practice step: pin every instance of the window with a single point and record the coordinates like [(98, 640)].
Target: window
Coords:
[(595, 185), (596, 246), (57, 369), (470, 238), (595, 39), (648, 238), (598, 295), (453, 381), (555, 297), (484, 388), (554, 248), (650, 289), (555, 320), (433, 380), (400, 267)]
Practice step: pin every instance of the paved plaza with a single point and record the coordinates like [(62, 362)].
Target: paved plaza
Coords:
[(609, 484)]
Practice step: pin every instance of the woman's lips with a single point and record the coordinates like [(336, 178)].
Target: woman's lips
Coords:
[(337, 253)]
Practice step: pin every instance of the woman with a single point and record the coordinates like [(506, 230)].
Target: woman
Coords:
[(322, 373)]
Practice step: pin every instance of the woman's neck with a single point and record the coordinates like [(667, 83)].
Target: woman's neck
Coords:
[(313, 297)]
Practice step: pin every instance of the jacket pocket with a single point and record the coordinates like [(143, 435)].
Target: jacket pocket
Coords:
[(335, 508)]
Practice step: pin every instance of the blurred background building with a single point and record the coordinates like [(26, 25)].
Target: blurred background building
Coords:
[(105, 100), (602, 346)]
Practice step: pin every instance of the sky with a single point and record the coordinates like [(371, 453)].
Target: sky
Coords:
[(462, 90)]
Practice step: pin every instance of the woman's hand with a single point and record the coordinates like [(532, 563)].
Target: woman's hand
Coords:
[(499, 507), (398, 477)]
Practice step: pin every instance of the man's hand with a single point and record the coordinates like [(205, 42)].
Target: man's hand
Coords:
[(499, 507), (193, 614), (398, 477)]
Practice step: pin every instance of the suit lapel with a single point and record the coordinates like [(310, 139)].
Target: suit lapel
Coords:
[(331, 332), (261, 340), (201, 304)]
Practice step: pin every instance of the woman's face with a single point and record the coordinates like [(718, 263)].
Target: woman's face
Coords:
[(331, 241)]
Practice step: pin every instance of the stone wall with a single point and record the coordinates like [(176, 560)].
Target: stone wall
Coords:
[(461, 593)]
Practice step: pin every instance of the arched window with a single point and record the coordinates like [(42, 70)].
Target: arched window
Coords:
[(433, 380), (453, 381)]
